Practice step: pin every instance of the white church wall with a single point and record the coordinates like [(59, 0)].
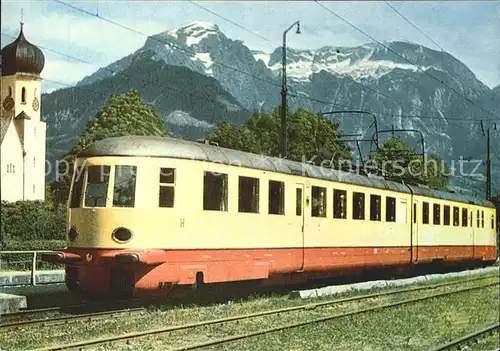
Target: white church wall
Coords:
[(11, 166)]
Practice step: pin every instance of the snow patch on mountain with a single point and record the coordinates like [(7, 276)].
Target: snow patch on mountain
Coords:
[(182, 118), (261, 55), (197, 31), (301, 64), (206, 60)]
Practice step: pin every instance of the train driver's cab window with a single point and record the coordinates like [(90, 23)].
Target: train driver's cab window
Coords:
[(358, 206), (465, 217), (167, 187), (375, 207), (76, 194), (436, 214), (248, 195), (425, 213), (215, 191), (339, 204), (318, 195), (446, 213), (276, 197), (456, 216), (390, 209), (124, 186), (97, 186)]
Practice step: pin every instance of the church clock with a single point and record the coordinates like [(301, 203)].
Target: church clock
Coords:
[(8, 103), (36, 104)]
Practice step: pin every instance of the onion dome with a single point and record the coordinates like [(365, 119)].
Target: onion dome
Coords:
[(21, 56)]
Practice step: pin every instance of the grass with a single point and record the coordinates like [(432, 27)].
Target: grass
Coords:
[(413, 326)]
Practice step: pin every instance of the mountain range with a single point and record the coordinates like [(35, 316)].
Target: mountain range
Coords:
[(197, 76)]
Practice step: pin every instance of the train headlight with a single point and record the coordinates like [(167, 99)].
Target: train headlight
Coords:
[(72, 234), (122, 235)]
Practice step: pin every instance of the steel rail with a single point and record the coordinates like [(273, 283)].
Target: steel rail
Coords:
[(323, 319), (71, 317), (263, 313), (465, 338), (28, 312)]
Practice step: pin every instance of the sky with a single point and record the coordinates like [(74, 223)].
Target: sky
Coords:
[(77, 43)]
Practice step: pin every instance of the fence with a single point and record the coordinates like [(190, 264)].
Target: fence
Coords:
[(23, 261)]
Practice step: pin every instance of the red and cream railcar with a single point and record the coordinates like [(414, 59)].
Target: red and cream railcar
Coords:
[(149, 213)]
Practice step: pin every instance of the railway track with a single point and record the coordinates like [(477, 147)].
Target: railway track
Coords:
[(278, 312), (67, 318), (453, 344)]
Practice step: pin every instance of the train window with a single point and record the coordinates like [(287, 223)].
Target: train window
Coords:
[(425, 213), (446, 213), (76, 195), (482, 219), (339, 204), (167, 191), (124, 187), (478, 219), (375, 207), (298, 201), (390, 209), (97, 186), (414, 213), (358, 205), (492, 221), (318, 195), (436, 214), (214, 191), (465, 217), (456, 216), (167, 175), (248, 195), (276, 197)]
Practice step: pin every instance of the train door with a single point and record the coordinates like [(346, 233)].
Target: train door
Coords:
[(300, 211), (472, 231), (414, 232)]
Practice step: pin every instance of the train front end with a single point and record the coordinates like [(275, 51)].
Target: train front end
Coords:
[(108, 253)]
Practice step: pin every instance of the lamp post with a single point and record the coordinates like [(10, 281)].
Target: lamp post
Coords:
[(488, 162), (283, 146)]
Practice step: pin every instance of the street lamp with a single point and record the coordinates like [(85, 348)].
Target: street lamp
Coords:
[(488, 162), (283, 146)]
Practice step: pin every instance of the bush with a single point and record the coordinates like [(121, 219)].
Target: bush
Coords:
[(34, 245), (32, 220)]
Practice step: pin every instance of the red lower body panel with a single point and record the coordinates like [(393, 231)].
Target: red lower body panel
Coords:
[(157, 271)]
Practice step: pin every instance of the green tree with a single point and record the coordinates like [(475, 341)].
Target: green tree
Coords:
[(310, 136), (397, 161), (125, 114)]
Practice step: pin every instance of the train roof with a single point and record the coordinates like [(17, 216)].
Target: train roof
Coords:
[(151, 146)]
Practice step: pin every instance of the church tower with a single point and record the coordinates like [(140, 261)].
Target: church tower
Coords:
[(22, 132)]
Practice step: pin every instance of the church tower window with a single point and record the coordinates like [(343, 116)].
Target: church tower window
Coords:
[(23, 95), (34, 162), (10, 91)]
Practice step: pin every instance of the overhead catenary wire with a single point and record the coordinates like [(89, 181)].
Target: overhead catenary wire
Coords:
[(406, 59), (291, 94), (413, 25), (145, 81), (312, 60)]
